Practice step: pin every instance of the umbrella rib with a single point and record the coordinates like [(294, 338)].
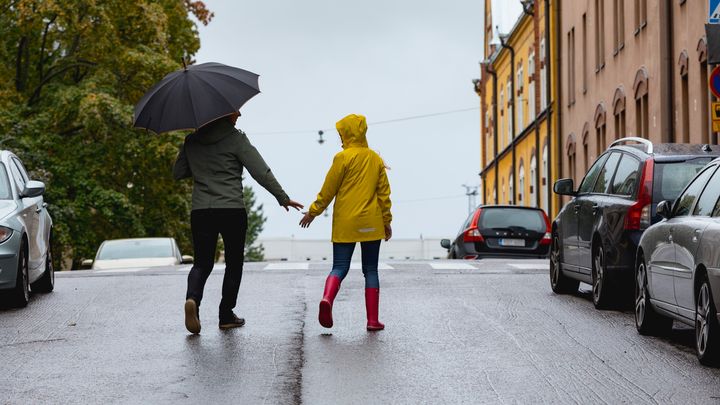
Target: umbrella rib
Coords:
[(187, 88), (152, 92), (210, 86), (235, 78)]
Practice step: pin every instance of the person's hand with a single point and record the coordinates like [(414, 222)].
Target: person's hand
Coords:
[(388, 232), (293, 204), (306, 220)]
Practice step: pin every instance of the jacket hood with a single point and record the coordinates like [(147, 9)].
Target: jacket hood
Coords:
[(352, 130), (213, 132)]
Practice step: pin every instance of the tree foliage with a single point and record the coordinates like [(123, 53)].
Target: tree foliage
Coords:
[(256, 220), (70, 74)]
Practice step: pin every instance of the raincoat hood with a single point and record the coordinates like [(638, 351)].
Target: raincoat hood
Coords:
[(352, 130)]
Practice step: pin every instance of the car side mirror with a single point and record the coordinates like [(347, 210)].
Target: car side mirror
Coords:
[(564, 187), (33, 188), (86, 264), (664, 209), (445, 243), (187, 259)]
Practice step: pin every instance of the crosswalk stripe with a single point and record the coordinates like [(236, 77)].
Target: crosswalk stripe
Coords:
[(530, 266), (452, 266), (381, 266), (287, 266), (128, 270)]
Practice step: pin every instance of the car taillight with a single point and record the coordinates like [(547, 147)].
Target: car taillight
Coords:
[(547, 238), (638, 216), (470, 257), (472, 234)]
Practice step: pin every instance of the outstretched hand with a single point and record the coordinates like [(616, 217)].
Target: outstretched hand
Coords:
[(388, 232), (306, 220), (293, 204)]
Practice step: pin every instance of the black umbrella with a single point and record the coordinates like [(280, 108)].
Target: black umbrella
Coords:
[(194, 96)]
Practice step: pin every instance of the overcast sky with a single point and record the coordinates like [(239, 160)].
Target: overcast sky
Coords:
[(321, 60)]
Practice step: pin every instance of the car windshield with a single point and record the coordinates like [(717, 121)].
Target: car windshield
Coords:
[(135, 249), (503, 218), (5, 193), (670, 178)]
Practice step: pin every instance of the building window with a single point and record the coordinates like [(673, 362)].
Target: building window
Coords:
[(642, 122), (599, 34), (600, 138), (521, 99), (584, 53), (619, 113), (501, 133), (494, 196), (545, 194), (511, 187), (502, 192), (586, 154), (640, 15), (619, 24), (511, 102), (531, 86), (620, 129), (685, 108), (533, 181), (704, 96), (572, 167), (543, 79), (571, 66), (521, 186)]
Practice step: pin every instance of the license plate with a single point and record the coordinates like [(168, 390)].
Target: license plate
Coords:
[(512, 242)]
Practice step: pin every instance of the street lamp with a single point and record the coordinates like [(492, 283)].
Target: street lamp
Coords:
[(528, 6), (321, 140)]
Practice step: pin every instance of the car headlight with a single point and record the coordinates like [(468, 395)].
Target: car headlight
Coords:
[(5, 233)]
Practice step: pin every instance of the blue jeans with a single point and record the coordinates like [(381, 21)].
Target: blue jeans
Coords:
[(342, 254)]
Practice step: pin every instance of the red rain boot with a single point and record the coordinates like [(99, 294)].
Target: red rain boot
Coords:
[(332, 285), (372, 301)]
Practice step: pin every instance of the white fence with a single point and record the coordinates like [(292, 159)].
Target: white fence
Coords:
[(290, 249)]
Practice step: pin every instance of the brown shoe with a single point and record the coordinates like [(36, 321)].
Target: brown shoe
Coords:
[(231, 322), (192, 316)]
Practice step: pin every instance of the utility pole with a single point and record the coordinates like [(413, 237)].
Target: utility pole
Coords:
[(471, 192)]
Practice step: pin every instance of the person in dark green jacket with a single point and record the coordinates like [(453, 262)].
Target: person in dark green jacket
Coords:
[(214, 156)]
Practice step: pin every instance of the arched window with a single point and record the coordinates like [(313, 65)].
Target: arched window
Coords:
[(533, 181), (642, 113), (619, 112), (503, 200), (600, 130), (521, 185), (546, 197), (511, 187)]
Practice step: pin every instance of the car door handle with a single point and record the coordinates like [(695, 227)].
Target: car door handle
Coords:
[(40, 207), (595, 209), (695, 236), (576, 208), (670, 238)]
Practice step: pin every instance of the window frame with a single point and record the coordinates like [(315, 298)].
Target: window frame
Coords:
[(691, 209), (602, 157)]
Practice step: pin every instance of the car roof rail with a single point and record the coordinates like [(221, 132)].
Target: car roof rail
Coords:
[(622, 141)]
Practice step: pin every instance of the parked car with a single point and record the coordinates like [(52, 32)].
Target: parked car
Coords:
[(25, 232), (677, 272), (501, 231), (595, 236), (138, 252)]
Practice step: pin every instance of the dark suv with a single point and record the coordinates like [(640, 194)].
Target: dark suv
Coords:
[(595, 236)]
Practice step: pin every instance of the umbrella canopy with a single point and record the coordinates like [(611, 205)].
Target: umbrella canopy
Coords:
[(194, 96)]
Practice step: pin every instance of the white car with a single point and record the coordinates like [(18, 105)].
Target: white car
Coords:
[(138, 252)]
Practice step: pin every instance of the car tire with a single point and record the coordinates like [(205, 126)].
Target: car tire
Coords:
[(46, 283), (560, 283), (602, 282), (20, 295), (647, 320), (706, 326)]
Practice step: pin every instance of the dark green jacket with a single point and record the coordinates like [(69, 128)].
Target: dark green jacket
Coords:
[(214, 156)]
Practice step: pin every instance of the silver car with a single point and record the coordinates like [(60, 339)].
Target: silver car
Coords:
[(25, 231), (677, 272), (137, 252)]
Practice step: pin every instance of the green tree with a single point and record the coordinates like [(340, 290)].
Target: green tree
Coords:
[(70, 74), (256, 219)]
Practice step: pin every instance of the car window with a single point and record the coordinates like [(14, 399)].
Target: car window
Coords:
[(670, 178), (504, 218), (135, 249), (685, 202), (709, 196), (626, 176), (589, 181), (602, 185), (5, 189), (17, 177), (21, 169)]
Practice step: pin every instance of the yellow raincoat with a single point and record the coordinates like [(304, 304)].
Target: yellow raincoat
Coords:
[(358, 183)]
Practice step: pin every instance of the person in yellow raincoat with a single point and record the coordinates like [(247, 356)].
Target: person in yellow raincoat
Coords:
[(358, 183)]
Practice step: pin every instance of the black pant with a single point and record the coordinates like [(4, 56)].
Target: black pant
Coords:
[(206, 224)]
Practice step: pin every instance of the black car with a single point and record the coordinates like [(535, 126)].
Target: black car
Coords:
[(595, 236), (501, 231)]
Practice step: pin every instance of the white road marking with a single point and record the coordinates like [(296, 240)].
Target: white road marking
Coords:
[(530, 266), (287, 266), (452, 266), (128, 270), (381, 266)]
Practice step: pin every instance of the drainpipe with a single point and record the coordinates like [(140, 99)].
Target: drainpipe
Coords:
[(551, 102), (493, 73), (512, 118), (667, 127), (531, 8)]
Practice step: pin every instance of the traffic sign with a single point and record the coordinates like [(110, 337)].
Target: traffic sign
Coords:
[(713, 11), (714, 81), (715, 114)]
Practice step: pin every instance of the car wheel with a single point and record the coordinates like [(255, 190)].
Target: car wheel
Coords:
[(46, 283), (559, 283), (706, 326), (602, 281), (647, 321), (20, 295)]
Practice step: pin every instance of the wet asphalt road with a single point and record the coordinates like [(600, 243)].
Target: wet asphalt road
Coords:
[(456, 332)]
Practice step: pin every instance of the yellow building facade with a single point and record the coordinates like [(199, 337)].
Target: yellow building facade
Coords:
[(516, 96)]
